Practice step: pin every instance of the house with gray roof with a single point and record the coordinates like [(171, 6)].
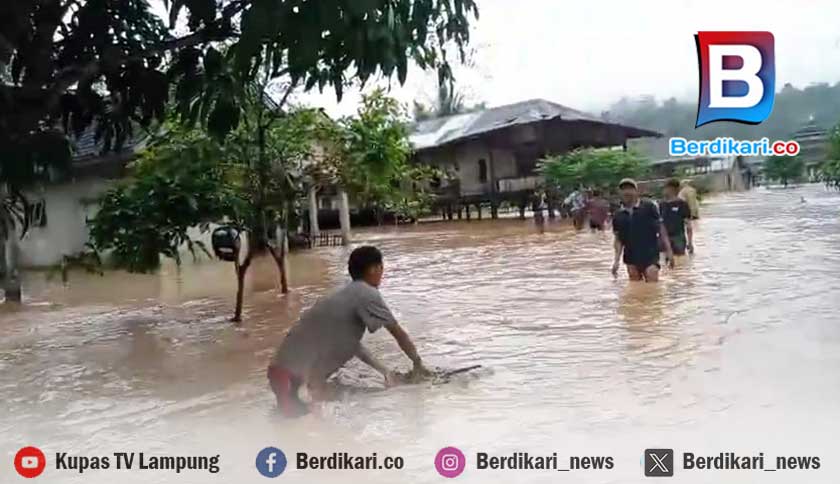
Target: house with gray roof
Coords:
[(814, 143), (491, 156)]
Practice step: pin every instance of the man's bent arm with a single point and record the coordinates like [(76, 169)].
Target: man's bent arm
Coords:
[(406, 345)]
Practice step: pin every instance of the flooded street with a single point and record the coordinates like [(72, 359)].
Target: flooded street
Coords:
[(738, 349)]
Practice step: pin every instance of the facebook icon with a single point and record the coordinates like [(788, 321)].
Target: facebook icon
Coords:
[(271, 462)]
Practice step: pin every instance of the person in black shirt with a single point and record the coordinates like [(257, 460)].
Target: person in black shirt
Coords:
[(676, 216), (638, 230)]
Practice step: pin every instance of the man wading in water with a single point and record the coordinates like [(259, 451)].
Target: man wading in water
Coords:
[(599, 211), (329, 334), (676, 216), (638, 230)]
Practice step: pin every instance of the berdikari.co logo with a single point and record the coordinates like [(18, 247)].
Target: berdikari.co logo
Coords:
[(737, 76), (737, 83)]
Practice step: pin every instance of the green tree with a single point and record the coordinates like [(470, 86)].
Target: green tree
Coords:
[(180, 182), (188, 178), (116, 62), (830, 169), (449, 101), (376, 168), (377, 149), (592, 168), (784, 169)]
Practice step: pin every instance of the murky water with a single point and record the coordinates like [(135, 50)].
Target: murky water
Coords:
[(736, 350)]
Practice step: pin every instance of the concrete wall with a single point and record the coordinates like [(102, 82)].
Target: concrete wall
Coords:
[(713, 182), (67, 208)]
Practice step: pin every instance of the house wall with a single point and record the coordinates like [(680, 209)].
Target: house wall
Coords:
[(467, 157), (714, 181), (67, 207), (463, 160)]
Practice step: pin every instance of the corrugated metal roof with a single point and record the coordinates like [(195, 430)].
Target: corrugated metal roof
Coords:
[(441, 131), (86, 147), (716, 162)]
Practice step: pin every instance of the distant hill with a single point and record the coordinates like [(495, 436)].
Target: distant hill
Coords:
[(792, 110)]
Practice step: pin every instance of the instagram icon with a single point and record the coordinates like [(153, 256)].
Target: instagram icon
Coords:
[(450, 462)]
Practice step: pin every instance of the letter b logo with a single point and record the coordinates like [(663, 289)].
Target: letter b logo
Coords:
[(737, 76)]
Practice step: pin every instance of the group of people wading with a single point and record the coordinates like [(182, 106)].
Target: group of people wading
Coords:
[(644, 230)]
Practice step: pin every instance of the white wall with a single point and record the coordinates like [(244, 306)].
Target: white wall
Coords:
[(66, 232)]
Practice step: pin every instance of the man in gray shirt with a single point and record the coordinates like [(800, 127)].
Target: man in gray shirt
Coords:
[(329, 334)]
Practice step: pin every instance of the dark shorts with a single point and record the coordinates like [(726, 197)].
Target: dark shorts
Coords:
[(644, 266), (643, 259), (596, 225), (285, 386)]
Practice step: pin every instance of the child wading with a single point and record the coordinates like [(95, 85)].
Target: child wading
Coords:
[(329, 334)]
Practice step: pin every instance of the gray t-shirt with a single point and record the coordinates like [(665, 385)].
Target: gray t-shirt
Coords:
[(328, 334)]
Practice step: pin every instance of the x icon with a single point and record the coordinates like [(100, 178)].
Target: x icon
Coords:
[(659, 462)]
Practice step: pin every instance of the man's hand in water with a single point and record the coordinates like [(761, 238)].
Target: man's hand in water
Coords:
[(669, 258), (417, 374), (690, 249), (420, 371), (614, 269), (391, 379)]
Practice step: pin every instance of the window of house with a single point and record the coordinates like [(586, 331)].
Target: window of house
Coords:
[(482, 171)]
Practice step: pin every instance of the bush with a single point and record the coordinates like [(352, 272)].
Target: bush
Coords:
[(592, 168)]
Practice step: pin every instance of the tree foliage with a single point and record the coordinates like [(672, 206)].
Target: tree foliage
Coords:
[(592, 168), (377, 148), (187, 178), (115, 62), (23, 165), (830, 169), (449, 101), (376, 168), (784, 169), (180, 182)]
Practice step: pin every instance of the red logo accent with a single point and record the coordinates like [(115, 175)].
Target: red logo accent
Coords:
[(30, 462)]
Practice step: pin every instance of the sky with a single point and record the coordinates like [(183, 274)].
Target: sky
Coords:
[(589, 54)]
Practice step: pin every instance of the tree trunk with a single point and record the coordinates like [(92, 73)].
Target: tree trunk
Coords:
[(344, 216), (279, 256), (2, 255), (379, 214), (314, 228), (241, 270), (9, 249)]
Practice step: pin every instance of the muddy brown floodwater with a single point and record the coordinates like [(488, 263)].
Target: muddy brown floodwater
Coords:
[(736, 350)]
